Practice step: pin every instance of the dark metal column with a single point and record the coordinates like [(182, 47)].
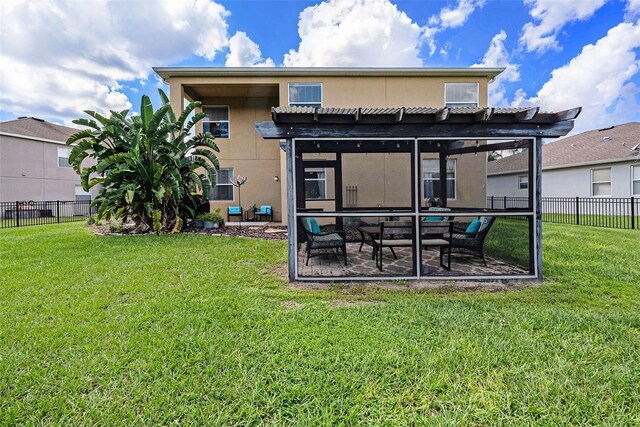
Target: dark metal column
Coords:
[(337, 178), (443, 176), (291, 209), (538, 202)]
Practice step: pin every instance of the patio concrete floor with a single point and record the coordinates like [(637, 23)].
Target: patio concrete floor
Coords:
[(361, 264)]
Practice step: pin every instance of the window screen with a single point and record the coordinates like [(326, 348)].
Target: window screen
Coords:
[(461, 94), (305, 94)]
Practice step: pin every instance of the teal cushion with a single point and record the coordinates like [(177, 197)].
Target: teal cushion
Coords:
[(315, 228), (434, 218), (234, 210), (264, 210), (473, 227)]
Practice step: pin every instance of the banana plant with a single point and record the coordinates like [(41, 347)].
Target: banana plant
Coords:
[(148, 167)]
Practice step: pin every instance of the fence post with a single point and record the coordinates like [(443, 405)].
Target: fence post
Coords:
[(491, 202), (58, 211), (17, 214), (633, 214), (577, 210), (504, 203)]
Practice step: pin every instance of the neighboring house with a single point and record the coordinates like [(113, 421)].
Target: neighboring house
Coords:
[(597, 163), (234, 99), (34, 162)]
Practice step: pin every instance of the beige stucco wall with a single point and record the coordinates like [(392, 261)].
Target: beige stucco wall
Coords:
[(29, 171), (248, 154), (260, 160)]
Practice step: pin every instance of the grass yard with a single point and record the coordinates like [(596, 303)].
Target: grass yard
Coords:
[(189, 329)]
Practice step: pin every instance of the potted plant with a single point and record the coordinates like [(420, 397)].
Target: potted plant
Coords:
[(208, 219), (218, 220), (197, 222)]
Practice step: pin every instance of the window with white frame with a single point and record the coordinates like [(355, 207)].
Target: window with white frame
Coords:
[(223, 190), (216, 121), (523, 182), (315, 184), (63, 157), (81, 195), (305, 94), (635, 180), (431, 175), (601, 182), (461, 94)]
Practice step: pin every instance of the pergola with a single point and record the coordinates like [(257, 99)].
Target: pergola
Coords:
[(440, 132)]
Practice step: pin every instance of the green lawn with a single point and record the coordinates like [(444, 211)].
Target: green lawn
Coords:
[(192, 329)]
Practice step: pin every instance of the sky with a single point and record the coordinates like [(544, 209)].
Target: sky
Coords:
[(61, 57)]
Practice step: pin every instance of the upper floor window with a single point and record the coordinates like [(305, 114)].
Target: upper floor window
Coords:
[(461, 94), (217, 120), (305, 94), (601, 182), (635, 180), (223, 190), (523, 182), (63, 157), (432, 179)]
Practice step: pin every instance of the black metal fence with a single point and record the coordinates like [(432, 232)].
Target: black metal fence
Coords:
[(26, 213), (618, 212)]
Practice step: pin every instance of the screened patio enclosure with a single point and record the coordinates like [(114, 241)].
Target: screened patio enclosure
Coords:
[(400, 193)]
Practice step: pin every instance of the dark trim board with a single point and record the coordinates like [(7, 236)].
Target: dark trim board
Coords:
[(271, 130)]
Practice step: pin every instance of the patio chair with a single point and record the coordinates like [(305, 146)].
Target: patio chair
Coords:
[(469, 241), (234, 211), (265, 211), (393, 234), (316, 239)]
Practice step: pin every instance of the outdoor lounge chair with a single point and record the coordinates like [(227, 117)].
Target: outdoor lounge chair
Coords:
[(265, 211), (469, 242), (234, 211), (316, 239)]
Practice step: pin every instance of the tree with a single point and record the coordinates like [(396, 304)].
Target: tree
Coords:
[(150, 169)]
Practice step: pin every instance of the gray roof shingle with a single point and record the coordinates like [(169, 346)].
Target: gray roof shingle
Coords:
[(37, 128), (594, 146)]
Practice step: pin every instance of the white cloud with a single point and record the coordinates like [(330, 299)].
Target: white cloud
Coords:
[(598, 80), (61, 57), (497, 56), (358, 33), (456, 16), (244, 52), (551, 17), (632, 9)]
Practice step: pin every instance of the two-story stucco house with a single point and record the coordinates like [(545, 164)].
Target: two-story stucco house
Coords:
[(34, 162), (234, 99)]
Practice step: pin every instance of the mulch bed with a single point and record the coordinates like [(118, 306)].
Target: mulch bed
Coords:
[(266, 232)]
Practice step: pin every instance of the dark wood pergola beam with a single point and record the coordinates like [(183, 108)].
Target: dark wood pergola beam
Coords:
[(484, 115), (568, 114), (507, 145), (271, 130), (526, 115)]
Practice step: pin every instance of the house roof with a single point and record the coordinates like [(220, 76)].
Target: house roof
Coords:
[(613, 144), (168, 72), (511, 164), (33, 128)]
